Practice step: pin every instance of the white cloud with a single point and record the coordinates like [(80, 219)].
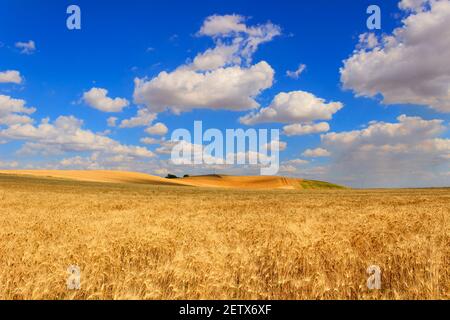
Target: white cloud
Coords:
[(149, 140), (293, 107), (380, 133), (167, 146), (13, 111), (97, 98), (316, 153), (407, 153), (223, 25), (308, 172), (413, 5), (368, 40), (221, 77), (143, 118), (66, 135), (244, 38), (296, 74), (101, 161), (162, 172), (78, 161), (232, 88), (10, 76), (287, 169), (303, 129), (293, 166), (158, 129), (410, 66), (213, 162), (28, 47), (272, 145), (195, 149), (112, 121), (296, 162), (215, 58)]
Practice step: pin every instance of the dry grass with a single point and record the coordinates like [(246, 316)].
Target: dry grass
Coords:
[(161, 242)]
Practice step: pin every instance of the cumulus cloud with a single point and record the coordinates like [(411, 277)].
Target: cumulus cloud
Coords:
[(28, 47), (297, 162), (316, 153), (112, 121), (413, 5), (223, 25), (101, 161), (409, 66), (380, 133), (406, 153), (305, 172), (79, 161), (167, 147), (158, 129), (149, 140), (293, 107), (216, 57), (10, 76), (97, 98), (368, 40), (143, 118), (13, 111), (184, 152), (65, 134), (303, 129), (221, 77), (232, 88), (293, 166), (273, 145), (296, 74), (244, 39)]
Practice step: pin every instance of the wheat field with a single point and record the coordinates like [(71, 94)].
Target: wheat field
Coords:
[(169, 242)]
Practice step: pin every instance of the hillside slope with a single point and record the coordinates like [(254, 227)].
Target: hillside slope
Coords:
[(211, 181)]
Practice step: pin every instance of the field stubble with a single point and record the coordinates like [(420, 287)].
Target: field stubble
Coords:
[(159, 242)]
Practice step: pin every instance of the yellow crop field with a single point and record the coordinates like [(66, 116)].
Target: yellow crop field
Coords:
[(139, 241)]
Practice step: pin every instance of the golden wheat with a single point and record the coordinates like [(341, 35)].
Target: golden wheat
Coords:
[(158, 242)]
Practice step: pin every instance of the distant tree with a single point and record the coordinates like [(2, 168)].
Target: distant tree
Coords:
[(171, 176), (186, 176)]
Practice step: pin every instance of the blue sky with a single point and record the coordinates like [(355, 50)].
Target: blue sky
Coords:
[(123, 40)]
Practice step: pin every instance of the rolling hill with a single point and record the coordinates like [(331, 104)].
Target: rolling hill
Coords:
[(210, 181)]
